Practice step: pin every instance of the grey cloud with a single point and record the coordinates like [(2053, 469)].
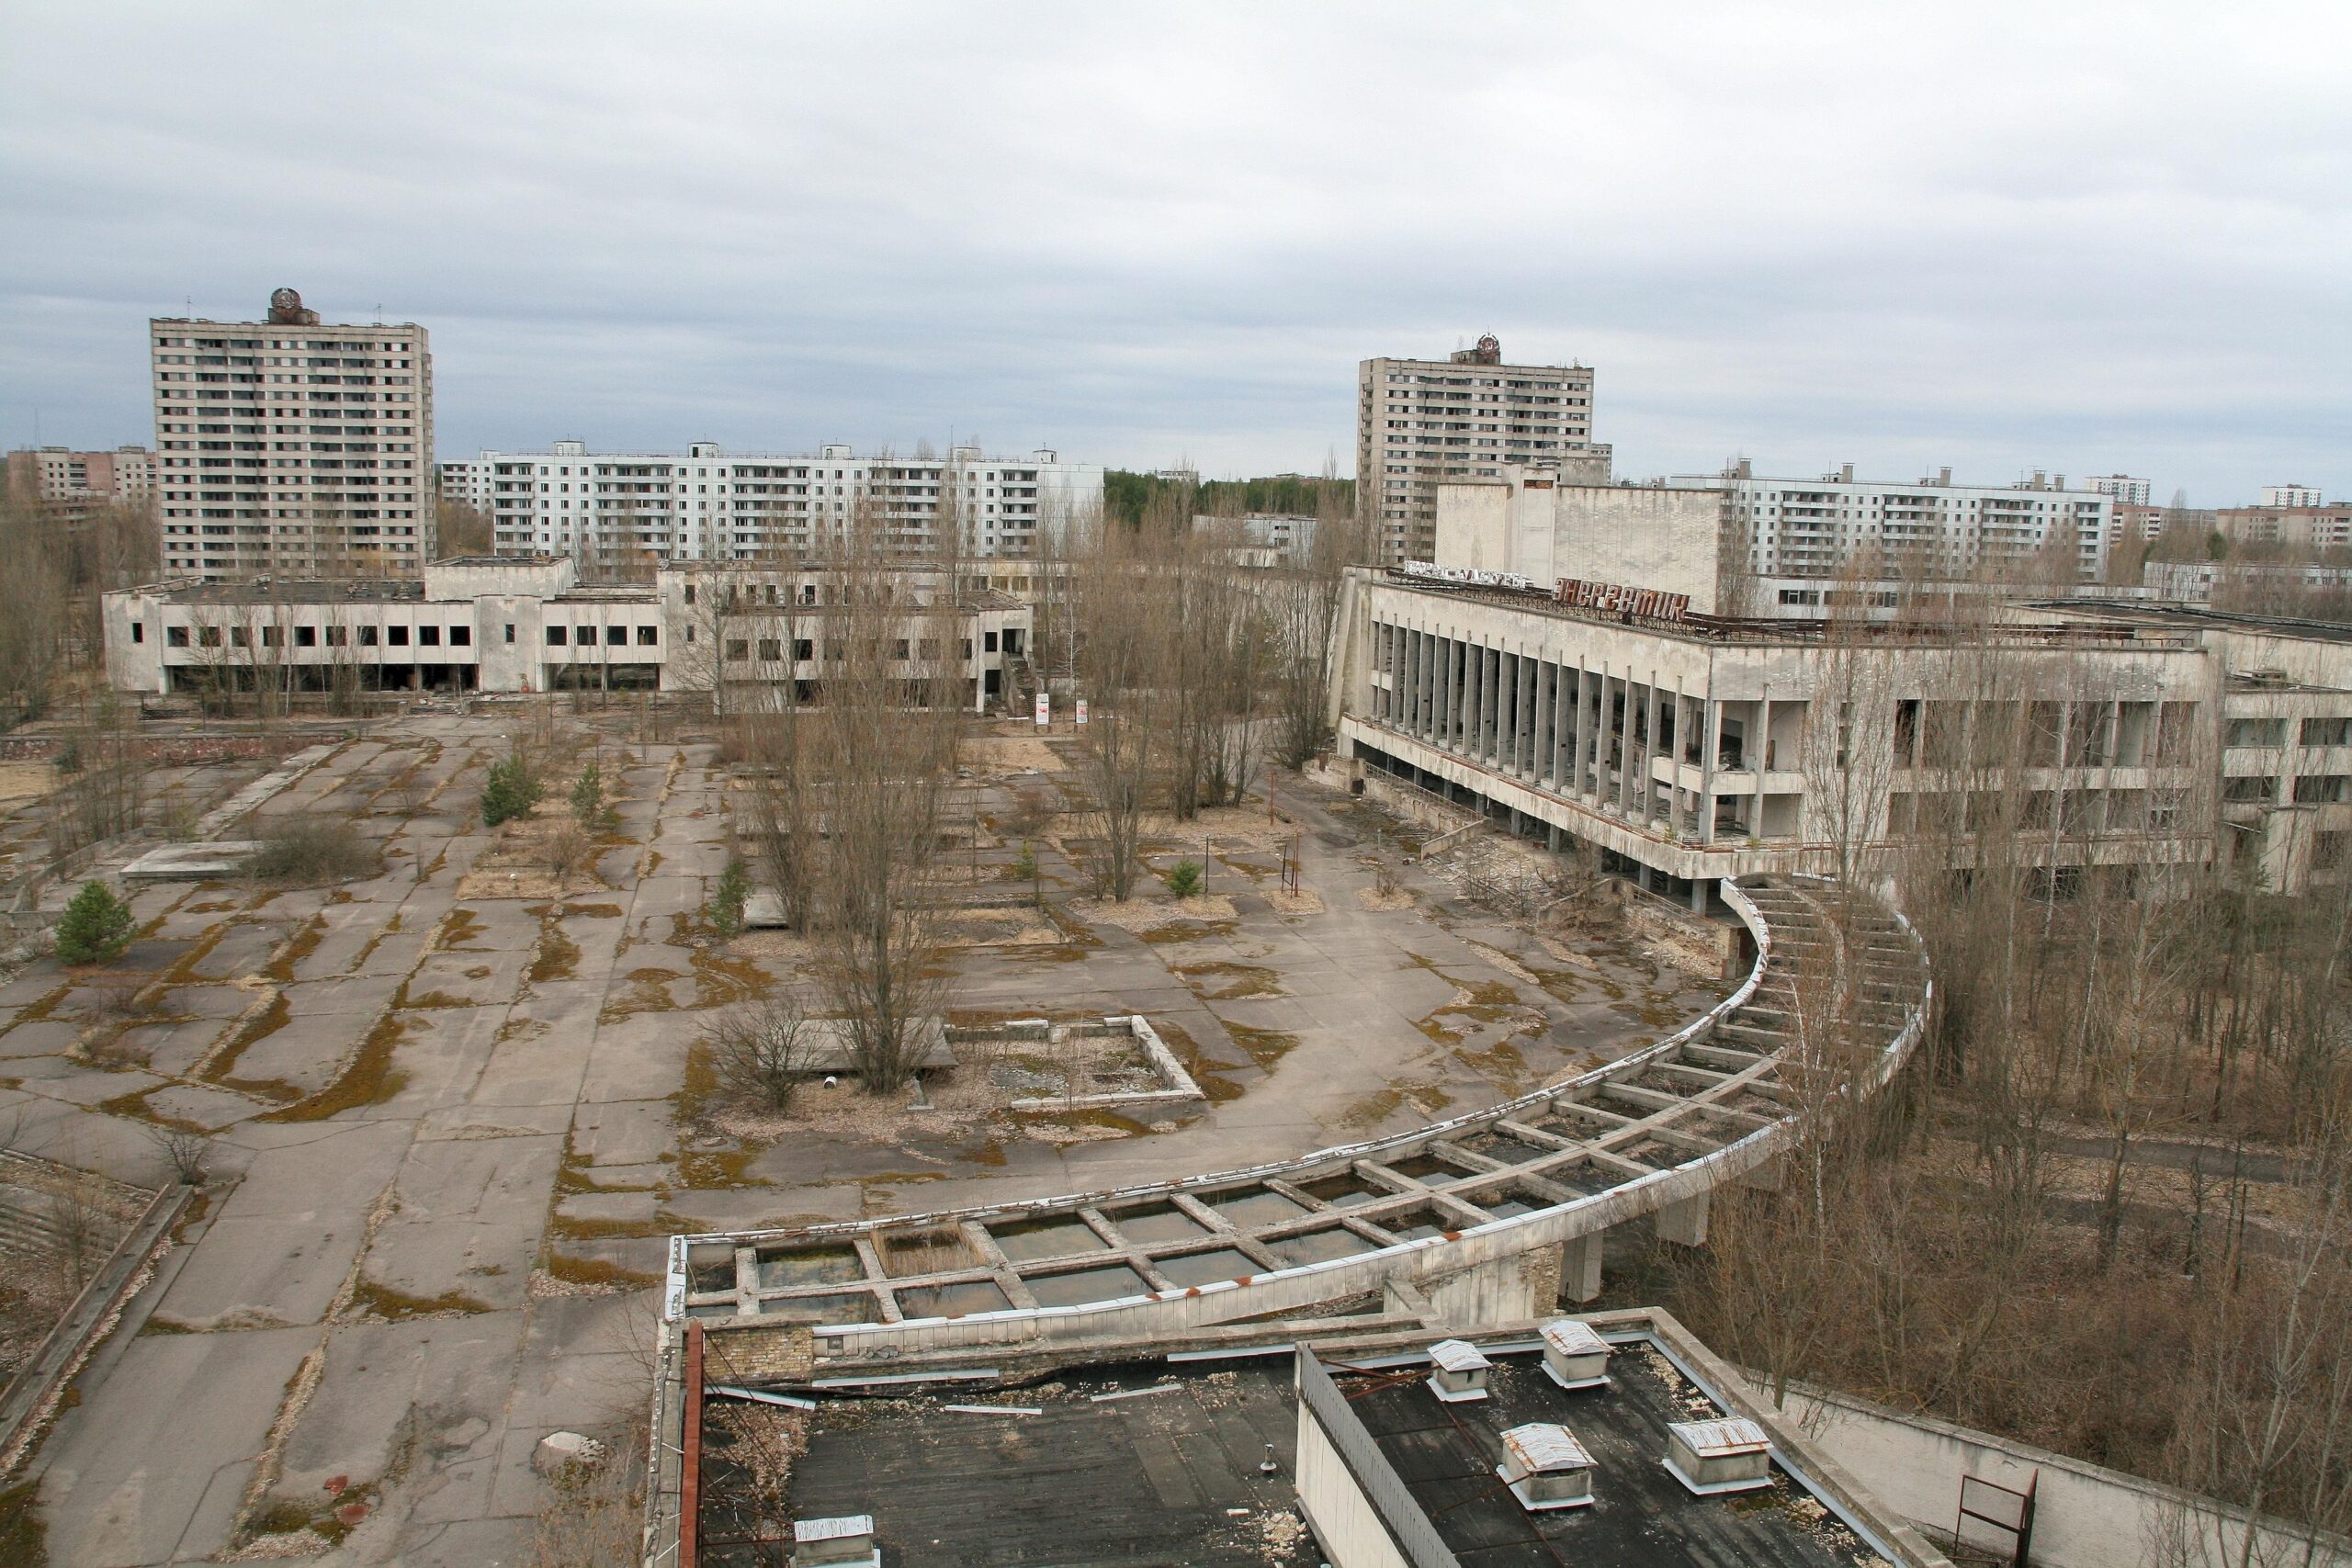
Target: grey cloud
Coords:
[(2000, 236)]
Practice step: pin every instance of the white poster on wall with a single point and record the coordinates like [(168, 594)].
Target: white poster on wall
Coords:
[(1045, 709), (1082, 710)]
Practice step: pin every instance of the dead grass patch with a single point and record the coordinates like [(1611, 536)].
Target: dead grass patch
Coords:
[(1142, 915)]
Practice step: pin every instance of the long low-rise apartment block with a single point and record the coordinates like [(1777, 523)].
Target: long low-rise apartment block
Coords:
[(1613, 702), (1930, 527), (519, 625), (616, 511)]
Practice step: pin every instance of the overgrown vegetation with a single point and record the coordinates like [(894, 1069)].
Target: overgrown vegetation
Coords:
[(95, 927), (511, 791), (726, 900), (848, 794), (308, 851), (761, 1049), (588, 808)]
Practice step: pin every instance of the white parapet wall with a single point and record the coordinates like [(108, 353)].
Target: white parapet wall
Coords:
[(2085, 1516)]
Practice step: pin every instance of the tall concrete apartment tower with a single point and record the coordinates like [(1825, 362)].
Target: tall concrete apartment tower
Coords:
[(289, 447), (1421, 420)]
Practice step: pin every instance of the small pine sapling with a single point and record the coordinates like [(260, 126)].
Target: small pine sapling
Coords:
[(511, 792), (95, 927), (727, 901)]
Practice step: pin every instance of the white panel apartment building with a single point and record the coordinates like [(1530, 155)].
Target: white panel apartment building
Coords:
[(1815, 528), (289, 446), (2128, 488), (1422, 421), (2306, 496), (614, 512)]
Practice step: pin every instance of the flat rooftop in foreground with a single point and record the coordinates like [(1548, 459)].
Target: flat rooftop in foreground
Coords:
[(1153, 1462), (1137, 1477), (1641, 1516)]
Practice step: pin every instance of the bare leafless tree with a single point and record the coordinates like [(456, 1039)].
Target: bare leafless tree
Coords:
[(1121, 633), (761, 1049)]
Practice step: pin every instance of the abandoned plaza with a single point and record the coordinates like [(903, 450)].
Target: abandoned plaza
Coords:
[(1306, 1204), (455, 1115)]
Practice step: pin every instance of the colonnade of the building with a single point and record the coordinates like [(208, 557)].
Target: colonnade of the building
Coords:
[(1590, 735)]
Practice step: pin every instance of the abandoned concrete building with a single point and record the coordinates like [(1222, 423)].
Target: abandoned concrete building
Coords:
[(1610, 703), (526, 623)]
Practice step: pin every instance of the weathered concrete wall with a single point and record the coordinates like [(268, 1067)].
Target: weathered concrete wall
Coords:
[(1644, 538), (1474, 526), (2085, 1517)]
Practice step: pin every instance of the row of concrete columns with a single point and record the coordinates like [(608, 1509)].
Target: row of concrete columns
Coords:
[(1590, 734)]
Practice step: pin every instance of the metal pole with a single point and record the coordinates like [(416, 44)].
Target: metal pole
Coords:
[(690, 1462)]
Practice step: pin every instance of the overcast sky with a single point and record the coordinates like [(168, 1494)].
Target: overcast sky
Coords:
[(2080, 237)]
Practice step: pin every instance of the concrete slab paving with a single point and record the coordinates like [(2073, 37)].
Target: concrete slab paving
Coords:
[(206, 1401), (252, 1273), (494, 1122), (210, 1109)]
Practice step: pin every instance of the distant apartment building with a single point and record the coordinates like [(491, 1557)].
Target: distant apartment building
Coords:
[(1928, 528), (291, 446), (2262, 587), (2312, 527), (2137, 520), (2300, 496), (463, 480), (2126, 489), (1281, 535), (1422, 422), (70, 485), (620, 513)]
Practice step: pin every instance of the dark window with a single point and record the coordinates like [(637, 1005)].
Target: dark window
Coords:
[(396, 636), (461, 637), (367, 636), (138, 631), (930, 648), (510, 631), (804, 648), (690, 592), (2327, 732), (240, 636), (306, 637), (649, 637), (615, 636), (273, 637), (771, 649), (738, 649), (988, 643), (690, 633), (174, 636), (338, 635), (967, 647), (428, 637), (556, 636), (899, 649)]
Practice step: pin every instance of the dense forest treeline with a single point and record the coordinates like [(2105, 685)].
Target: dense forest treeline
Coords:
[(1127, 495)]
